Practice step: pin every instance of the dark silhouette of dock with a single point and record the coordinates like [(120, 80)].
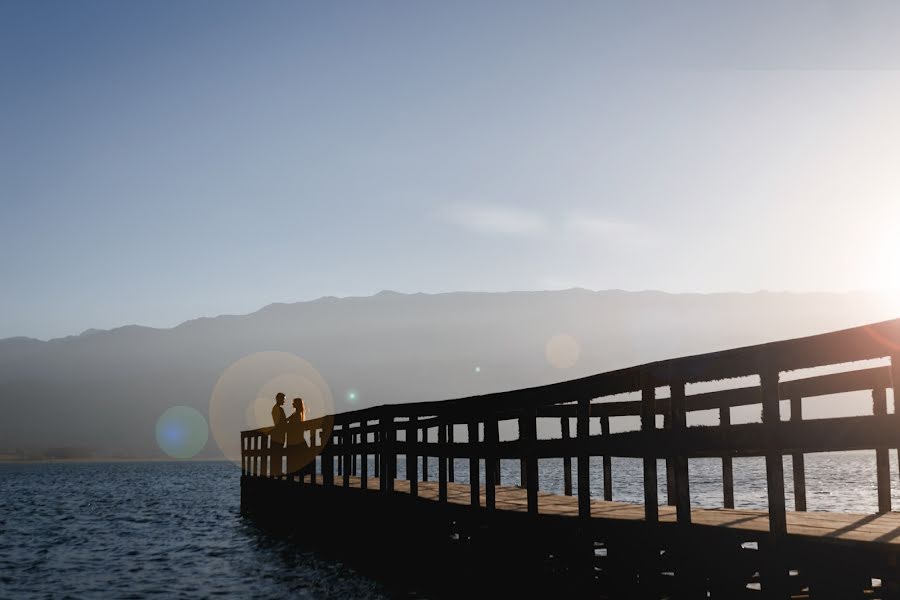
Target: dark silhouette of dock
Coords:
[(451, 534)]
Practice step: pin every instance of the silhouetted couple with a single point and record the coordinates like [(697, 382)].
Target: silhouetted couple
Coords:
[(290, 430)]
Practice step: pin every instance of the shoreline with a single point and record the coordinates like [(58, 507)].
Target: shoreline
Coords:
[(11, 461)]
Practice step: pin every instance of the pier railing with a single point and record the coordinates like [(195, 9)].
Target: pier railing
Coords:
[(427, 429)]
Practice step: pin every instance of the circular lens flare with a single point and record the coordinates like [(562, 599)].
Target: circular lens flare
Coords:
[(562, 351), (181, 432), (352, 396), (244, 397)]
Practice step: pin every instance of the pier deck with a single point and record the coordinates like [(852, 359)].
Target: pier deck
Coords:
[(847, 528), (663, 548)]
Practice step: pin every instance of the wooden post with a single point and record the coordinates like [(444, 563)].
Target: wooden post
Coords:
[(582, 430), (670, 466), (424, 455), (648, 554), (771, 416), (391, 470), (727, 467), (895, 387), (363, 456), (474, 470), (451, 465), (882, 458), (680, 461), (267, 457), (607, 462), (328, 461), (386, 482), (567, 460), (648, 425), (797, 460), (261, 449), (249, 455), (347, 443), (443, 457), (412, 474), (354, 457), (376, 436), (774, 574), (528, 435), (339, 438), (492, 439)]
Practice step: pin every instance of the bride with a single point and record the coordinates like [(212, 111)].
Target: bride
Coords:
[(296, 440)]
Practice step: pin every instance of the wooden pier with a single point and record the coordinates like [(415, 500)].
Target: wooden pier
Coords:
[(484, 537)]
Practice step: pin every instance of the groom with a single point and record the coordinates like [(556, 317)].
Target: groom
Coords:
[(278, 432)]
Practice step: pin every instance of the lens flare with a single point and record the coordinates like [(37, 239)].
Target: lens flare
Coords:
[(562, 351), (244, 396), (181, 432), (352, 396)]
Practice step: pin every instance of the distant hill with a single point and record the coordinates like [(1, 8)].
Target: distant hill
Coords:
[(106, 389)]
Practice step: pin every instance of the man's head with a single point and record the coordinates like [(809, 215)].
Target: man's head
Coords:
[(279, 398)]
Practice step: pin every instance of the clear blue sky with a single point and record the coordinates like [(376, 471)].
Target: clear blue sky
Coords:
[(161, 161)]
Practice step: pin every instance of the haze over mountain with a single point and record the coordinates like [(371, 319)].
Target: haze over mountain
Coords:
[(105, 390)]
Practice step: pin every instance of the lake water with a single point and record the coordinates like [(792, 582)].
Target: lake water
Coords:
[(139, 530), (136, 530)]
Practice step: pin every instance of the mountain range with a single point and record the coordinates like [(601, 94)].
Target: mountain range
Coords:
[(105, 390)]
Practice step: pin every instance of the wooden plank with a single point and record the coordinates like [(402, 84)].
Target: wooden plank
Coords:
[(567, 460), (809, 387), (474, 470), (882, 458), (850, 529), (607, 462), (582, 430), (648, 429), (727, 467), (797, 460)]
